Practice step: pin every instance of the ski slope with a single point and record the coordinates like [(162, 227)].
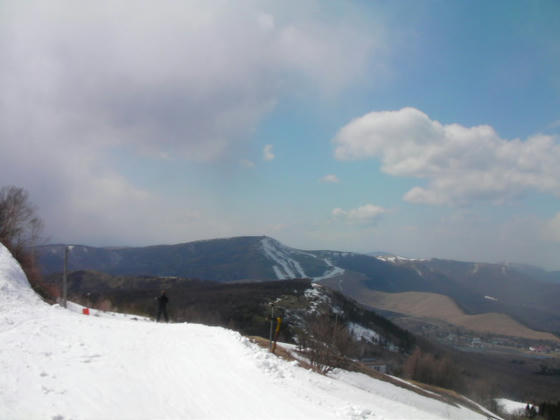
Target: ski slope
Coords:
[(286, 265), (58, 364)]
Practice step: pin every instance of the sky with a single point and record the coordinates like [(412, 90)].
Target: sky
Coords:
[(421, 128)]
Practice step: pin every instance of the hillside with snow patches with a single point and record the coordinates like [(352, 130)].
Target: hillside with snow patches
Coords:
[(223, 260), (56, 363), (287, 266)]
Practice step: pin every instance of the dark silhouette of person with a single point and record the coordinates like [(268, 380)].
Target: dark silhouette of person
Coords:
[(162, 306)]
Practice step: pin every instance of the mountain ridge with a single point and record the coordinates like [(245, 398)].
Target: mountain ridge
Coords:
[(476, 287)]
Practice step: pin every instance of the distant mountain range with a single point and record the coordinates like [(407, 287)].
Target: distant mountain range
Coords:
[(249, 258), (528, 294)]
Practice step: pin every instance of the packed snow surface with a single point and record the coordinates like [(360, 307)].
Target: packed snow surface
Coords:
[(56, 363)]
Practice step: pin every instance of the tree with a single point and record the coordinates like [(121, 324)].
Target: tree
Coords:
[(20, 227), (326, 342), (20, 231)]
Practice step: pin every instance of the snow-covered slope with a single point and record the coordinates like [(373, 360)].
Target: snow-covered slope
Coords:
[(58, 364), (287, 265)]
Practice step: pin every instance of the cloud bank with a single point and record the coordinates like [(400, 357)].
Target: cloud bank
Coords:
[(185, 80), (460, 164)]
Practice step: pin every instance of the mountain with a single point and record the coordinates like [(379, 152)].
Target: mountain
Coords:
[(60, 364), (476, 288), (538, 273), (252, 258)]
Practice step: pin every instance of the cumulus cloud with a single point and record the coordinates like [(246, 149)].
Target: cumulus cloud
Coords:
[(366, 214), (330, 178), (461, 164), (267, 152)]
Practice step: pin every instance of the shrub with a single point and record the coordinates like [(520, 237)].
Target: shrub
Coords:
[(326, 343), (432, 369)]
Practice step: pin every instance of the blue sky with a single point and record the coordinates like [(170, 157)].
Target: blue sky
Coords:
[(423, 128)]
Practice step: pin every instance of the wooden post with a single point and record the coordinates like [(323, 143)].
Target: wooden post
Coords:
[(278, 324), (271, 322), (64, 279)]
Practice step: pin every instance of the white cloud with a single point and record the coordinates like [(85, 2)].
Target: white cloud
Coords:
[(331, 178), (267, 152), (462, 164), (366, 214)]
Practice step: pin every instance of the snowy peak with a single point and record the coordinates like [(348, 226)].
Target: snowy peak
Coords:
[(396, 259)]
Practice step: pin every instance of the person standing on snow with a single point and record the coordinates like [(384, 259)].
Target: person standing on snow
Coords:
[(162, 306)]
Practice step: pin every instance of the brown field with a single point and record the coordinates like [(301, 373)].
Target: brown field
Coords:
[(442, 308)]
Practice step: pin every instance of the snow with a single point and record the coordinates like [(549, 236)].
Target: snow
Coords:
[(359, 332), (316, 297), (412, 384), (510, 407), (333, 271), (389, 400), (491, 298), (74, 307), (475, 268), (56, 363), (396, 259), (287, 267)]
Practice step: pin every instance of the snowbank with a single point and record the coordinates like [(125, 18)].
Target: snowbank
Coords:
[(14, 286), (511, 407), (60, 364)]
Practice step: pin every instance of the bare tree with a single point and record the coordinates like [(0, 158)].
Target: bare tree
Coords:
[(20, 227), (20, 231), (326, 343)]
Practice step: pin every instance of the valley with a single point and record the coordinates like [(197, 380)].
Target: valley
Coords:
[(437, 307)]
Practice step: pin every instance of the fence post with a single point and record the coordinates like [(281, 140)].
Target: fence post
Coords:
[(271, 322), (64, 279)]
